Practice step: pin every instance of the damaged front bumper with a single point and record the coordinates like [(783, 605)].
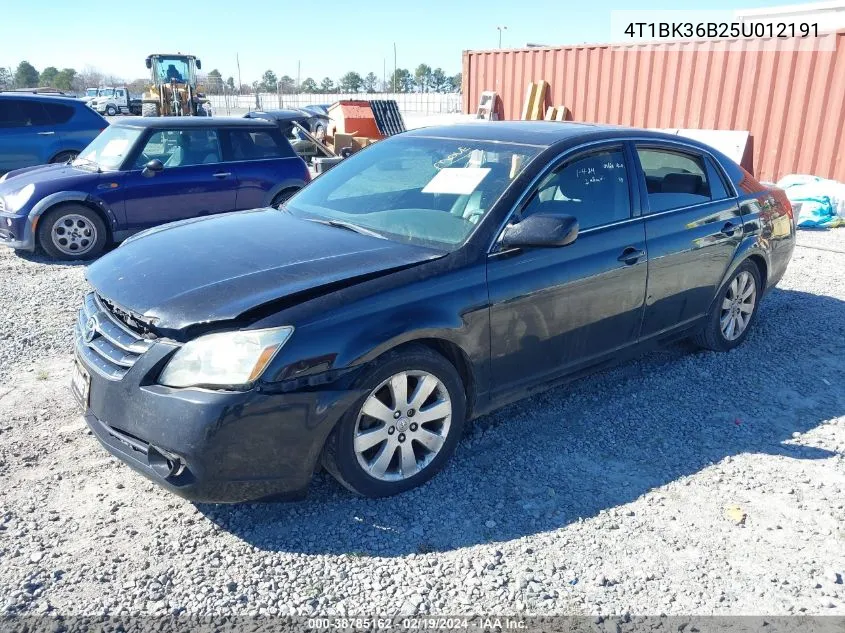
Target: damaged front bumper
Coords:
[(202, 444)]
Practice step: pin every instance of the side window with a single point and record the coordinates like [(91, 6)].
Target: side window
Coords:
[(58, 112), (592, 187), (717, 185), (11, 114), (673, 179), (34, 113), (181, 148), (22, 113), (257, 144)]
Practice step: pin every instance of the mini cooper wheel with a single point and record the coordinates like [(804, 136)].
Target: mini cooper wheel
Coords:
[(733, 311), (403, 431), (63, 157), (72, 231)]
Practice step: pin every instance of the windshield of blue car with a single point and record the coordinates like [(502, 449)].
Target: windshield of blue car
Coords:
[(109, 149), (426, 191)]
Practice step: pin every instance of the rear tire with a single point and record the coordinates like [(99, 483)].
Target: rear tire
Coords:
[(733, 312), (63, 157), (150, 109), (413, 438), (72, 232)]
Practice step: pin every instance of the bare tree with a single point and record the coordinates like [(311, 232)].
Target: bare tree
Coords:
[(91, 77)]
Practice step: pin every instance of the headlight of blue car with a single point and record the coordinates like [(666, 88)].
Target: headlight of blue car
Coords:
[(17, 199)]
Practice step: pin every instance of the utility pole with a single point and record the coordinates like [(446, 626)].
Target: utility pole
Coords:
[(394, 67), (501, 28), (238, 62)]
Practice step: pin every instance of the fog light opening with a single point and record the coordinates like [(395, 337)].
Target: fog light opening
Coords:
[(164, 463)]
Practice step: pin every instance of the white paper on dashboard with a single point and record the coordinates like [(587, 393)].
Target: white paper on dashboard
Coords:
[(115, 147), (456, 180)]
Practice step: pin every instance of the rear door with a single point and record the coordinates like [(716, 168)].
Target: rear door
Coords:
[(693, 227), (194, 181), (265, 163), (27, 135)]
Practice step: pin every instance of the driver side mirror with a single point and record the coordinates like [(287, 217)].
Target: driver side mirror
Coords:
[(541, 230), (199, 65), (152, 168)]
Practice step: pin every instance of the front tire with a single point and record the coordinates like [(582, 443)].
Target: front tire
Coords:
[(72, 232), (734, 310), (111, 111), (404, 430), (63, 157)]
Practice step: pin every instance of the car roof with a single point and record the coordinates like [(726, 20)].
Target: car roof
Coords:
[(41, 97), (539, 133), (278, 115), (191, 121)]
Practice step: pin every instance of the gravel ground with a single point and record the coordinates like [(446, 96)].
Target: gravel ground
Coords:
[(682, 483)]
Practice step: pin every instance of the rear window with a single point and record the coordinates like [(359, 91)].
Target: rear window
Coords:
[(257, 145)]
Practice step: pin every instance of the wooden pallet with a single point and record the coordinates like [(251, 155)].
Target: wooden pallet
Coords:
[(535, 101), (557, 113)]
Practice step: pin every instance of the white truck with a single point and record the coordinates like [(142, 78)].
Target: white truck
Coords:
[(112, 101)]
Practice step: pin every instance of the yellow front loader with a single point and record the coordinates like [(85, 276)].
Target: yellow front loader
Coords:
[(173, 90)]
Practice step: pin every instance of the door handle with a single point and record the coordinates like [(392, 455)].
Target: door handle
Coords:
[(730, 228), (222, 174), (45, 133), (630, 256)]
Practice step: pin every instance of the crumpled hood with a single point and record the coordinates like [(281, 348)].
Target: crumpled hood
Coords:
[(216, 268)]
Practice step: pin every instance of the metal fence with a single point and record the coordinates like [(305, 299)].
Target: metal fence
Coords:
[(408, 102)]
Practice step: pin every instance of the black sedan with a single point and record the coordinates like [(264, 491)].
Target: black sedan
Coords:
[(425, 281), (315, 121)]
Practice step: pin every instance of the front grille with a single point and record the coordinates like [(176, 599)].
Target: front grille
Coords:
[(105, 342)]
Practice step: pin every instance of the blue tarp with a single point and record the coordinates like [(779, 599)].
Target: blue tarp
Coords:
[(820, 202)]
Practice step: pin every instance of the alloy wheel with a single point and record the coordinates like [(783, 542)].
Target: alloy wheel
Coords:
[(738, 306), (73, 234), (402, 425)]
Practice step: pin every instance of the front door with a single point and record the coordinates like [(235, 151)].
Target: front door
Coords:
[(554, 309), (194, 181), (693, 228)]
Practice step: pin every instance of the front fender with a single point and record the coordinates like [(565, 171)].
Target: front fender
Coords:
[(48, 202), (450, 309)]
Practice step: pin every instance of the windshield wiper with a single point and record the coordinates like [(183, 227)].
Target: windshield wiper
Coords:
[(78, 162), (349, 227)]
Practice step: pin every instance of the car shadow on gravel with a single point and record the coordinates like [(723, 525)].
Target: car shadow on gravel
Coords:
[(39, 257), (599, 443)]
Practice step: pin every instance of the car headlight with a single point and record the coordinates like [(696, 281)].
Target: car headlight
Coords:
[(18, 198), (224, 359)]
